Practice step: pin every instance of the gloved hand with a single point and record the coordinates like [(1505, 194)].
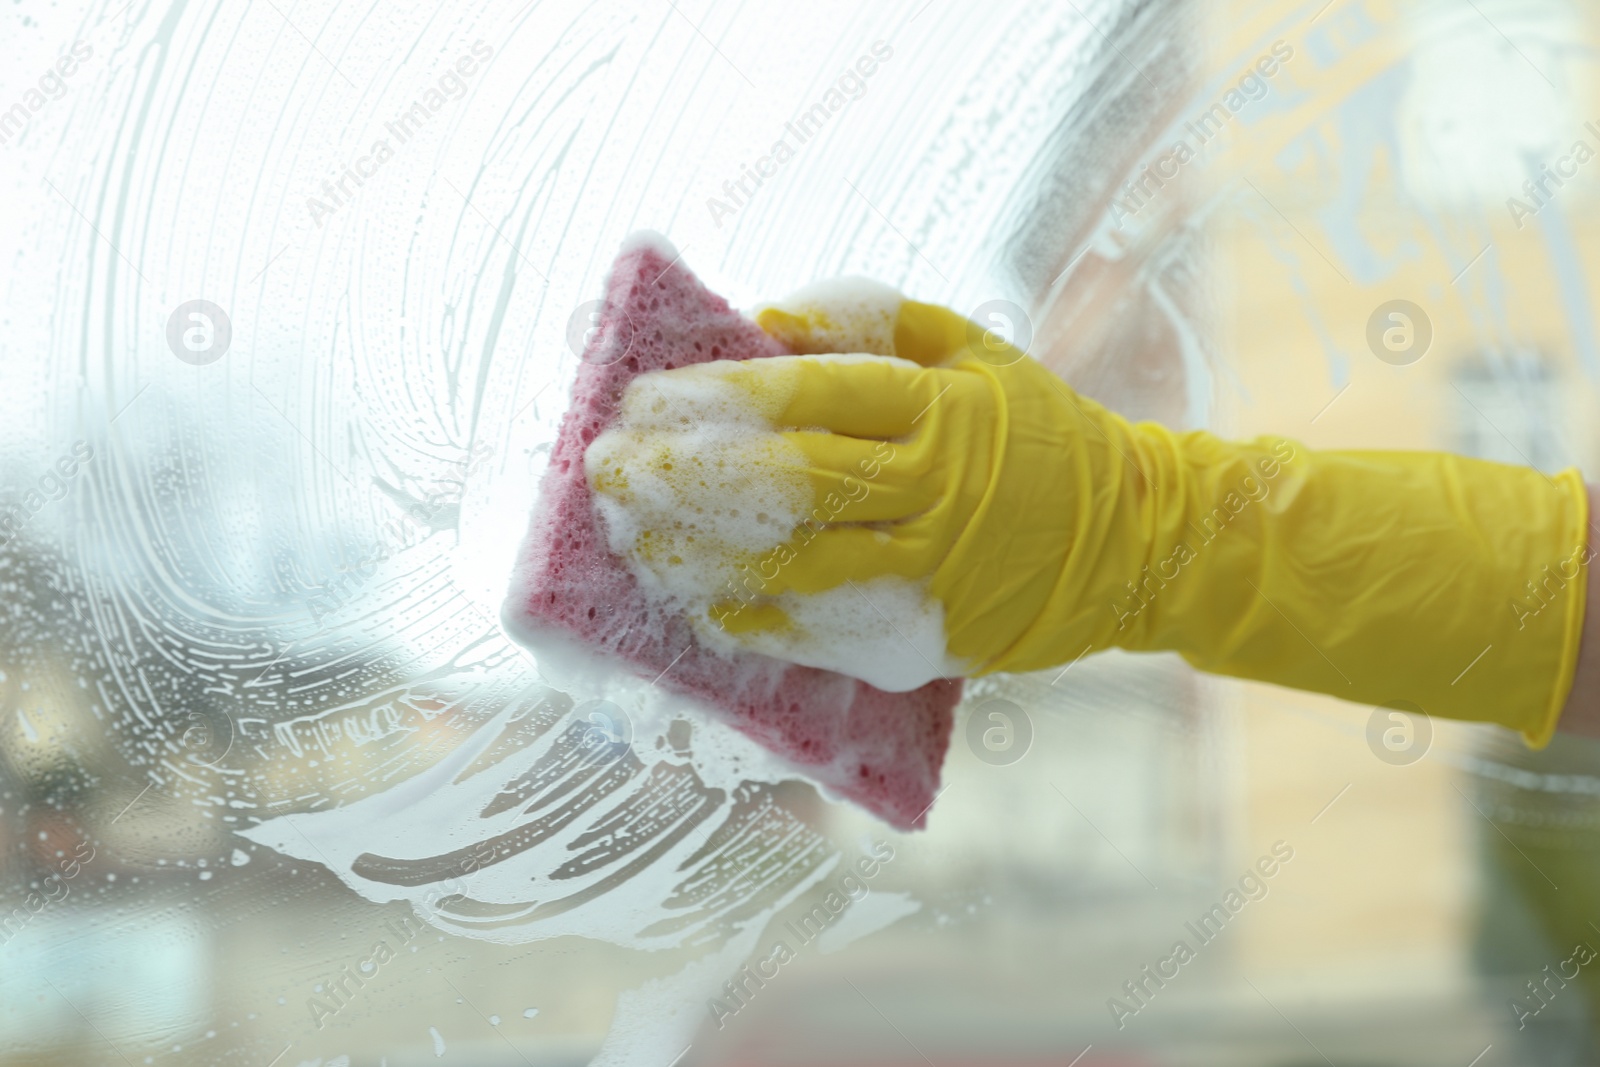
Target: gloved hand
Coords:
[(958, 510)]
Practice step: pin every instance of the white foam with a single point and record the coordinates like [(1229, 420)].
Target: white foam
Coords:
[(694, 481), (845, 314), (889, 632), (724, 758), (640, 240), (442, 809), (691, 476)]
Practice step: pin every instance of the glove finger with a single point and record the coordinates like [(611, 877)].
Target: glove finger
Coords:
[(862, 316), (843, 315), (736, 617), (856, 480), (858, 396), (933, 336), (817, 560)]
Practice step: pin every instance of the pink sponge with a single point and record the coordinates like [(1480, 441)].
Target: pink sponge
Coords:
[(881, 750)]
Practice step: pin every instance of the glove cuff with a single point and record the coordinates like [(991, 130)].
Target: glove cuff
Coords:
[(1454, 584)]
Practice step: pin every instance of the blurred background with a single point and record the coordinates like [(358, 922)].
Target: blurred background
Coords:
[(293, 298)]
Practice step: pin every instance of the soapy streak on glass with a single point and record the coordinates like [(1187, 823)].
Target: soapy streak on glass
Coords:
[(567, 829)]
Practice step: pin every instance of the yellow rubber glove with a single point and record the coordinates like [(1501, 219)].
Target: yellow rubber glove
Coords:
[(960, 510)]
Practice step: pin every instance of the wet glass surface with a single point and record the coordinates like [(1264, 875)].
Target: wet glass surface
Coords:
[(293, 300)]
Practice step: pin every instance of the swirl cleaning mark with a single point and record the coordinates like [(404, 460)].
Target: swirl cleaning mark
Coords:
[(451, 85)]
